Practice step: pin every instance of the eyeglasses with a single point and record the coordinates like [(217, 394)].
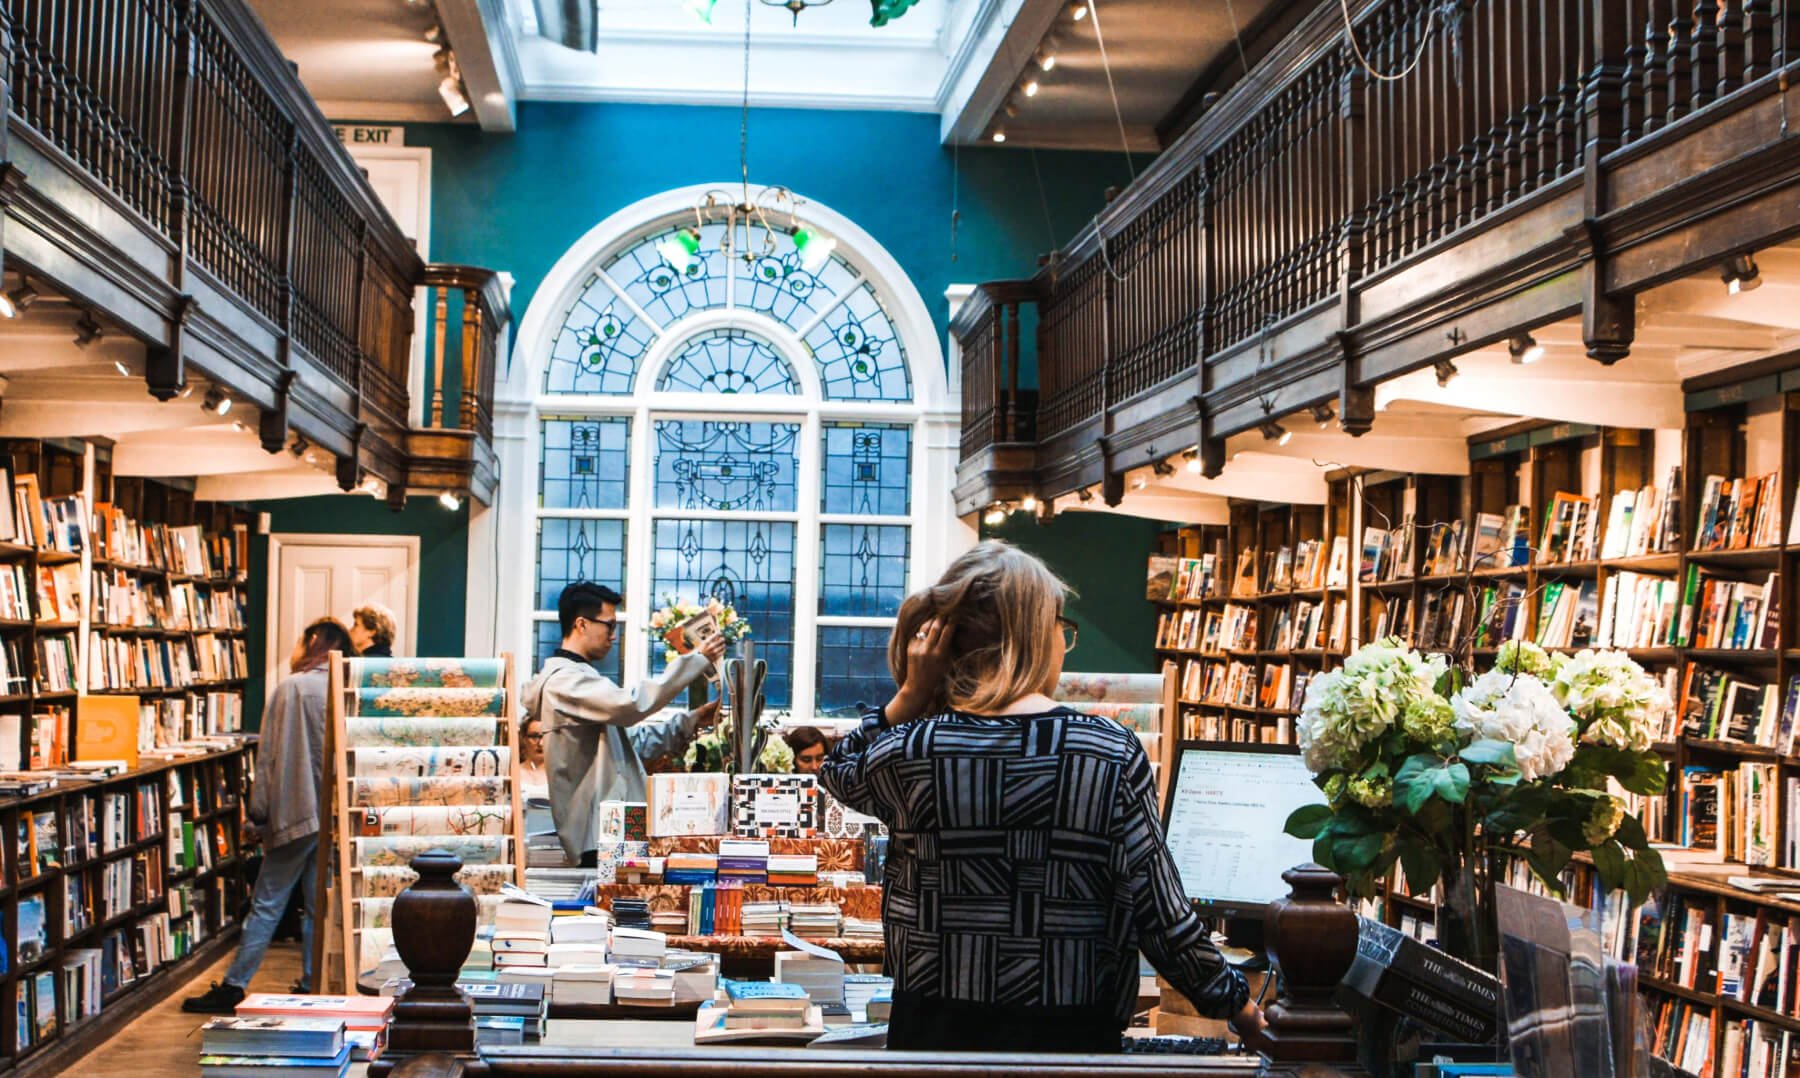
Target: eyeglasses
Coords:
[(1071, 632), (534, 737), (612, 624)]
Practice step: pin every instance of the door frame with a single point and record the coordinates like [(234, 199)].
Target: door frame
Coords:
[(409, 619)]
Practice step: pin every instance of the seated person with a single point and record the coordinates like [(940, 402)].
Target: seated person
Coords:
[(534, 781), (1027, 866), (809, 748)]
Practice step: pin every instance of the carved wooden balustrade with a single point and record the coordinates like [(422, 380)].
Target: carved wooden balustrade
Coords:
[(163, 165), (452, 450), (1363, 204)]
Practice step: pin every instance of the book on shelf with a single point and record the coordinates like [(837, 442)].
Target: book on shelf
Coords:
[(1337, 571), (1377, 545), (1567, 530), (1515, 537), (1444, 549), (1243, 579), (1718, 612), (1637, 610), (1737, 514), (1159, 577), (1730, 814), (1487, 543)]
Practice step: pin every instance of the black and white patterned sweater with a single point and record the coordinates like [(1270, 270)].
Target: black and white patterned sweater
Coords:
[(1026, 863)]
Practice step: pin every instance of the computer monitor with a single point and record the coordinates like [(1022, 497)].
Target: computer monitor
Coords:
[(1227, 806)]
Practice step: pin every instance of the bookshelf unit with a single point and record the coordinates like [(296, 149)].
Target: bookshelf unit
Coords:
[(1644, 594), (176, 909)]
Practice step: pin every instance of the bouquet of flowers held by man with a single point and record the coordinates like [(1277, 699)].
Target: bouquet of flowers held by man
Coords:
[(681, 625), (1429, 766)]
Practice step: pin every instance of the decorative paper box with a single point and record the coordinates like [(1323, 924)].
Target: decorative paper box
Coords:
[(690, 803), (609, 858), (842, 821), (623, 821), (775, 806)]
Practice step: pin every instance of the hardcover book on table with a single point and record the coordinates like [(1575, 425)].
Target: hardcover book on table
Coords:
[(272, 1035)]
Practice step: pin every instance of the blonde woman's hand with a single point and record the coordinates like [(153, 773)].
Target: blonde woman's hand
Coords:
[(927, 661)]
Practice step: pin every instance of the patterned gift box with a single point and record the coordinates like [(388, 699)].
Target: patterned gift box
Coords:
[(775, 806), (843, 822), (689, 803), (608, 858), (623, 821)]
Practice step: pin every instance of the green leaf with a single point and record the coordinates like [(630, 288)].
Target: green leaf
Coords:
[(1452, 783), (1322, 852), (1308, 820), (1357, 854), (1421, 863), (1609, 859), (1492, 752), (1648, 775), (1631, 833)]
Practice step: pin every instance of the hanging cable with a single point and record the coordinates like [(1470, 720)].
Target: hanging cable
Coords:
[(744, 112), (1112, 90), (1043, 200), (955, 194), (1356, 46), (1237, 37)]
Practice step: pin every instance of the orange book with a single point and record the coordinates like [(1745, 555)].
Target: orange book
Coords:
[(106, 728), (358, 1012)]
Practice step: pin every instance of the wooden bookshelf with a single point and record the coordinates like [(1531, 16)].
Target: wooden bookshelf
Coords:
[(193, 909)]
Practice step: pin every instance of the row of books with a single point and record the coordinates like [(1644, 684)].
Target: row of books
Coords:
[(116, 662), (124, 599), (1171, 579), (56, 663), (1570, 532), (184, 550), (1729, 814), (1305, 627), (43, 735), (1644, 521), (1220, 684), (1232, 628), (1722, 613), (1753, 1049), (1719, 705), (1215, 726), (1568, 612), (1682, 1033), (58, 524), (1735, 514), (170, 720)]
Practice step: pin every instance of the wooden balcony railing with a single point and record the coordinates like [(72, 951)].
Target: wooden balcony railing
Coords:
[(1343, 160), (453, 449), (988, 327), (189, 187)]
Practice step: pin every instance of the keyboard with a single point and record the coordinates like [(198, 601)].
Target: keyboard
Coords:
[(1174, 1046)]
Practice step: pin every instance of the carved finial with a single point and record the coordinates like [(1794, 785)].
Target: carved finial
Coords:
[(434, 929), (1312, 940)]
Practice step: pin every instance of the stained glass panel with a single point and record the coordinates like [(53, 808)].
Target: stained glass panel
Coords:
[(868, 469), (583, 463), (862, 569), (570, 550), (747, 564), (859, 353), (663, 291), (703, 464), (600, 345), (549, 638), (728, 361), (780, 287), (853, 669)]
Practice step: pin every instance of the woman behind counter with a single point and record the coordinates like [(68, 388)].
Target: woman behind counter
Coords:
[(1026, 867)]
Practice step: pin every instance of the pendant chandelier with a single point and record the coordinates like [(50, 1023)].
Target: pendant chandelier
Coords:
[(753, 222)]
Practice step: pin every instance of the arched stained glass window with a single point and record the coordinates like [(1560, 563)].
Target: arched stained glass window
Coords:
[(789, 493)]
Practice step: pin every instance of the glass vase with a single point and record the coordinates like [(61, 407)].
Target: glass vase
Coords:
[(1467, 922)]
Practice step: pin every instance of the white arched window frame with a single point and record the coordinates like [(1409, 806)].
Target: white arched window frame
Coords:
[(504, 543)]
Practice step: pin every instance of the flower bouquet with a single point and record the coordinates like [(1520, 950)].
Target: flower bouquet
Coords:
[(1429, 767), (682, 626)]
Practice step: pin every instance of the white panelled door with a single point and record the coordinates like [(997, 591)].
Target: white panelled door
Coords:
[(329, 576)]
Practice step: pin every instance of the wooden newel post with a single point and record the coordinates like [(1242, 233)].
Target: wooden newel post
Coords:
[(434, 929), (1312, 941)]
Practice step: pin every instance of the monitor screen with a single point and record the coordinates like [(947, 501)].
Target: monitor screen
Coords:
[(1226, 810)]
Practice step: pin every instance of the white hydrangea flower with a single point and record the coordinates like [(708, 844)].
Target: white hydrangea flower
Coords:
[(1346, 709), (1618, 703), (1520, 710)]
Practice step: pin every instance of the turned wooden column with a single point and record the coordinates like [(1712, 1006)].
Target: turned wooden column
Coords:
[(434, 929), (1312, 941)]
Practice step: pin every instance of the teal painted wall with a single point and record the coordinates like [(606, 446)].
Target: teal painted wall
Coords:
[(516, 202), (1101, 556), (443, 569)]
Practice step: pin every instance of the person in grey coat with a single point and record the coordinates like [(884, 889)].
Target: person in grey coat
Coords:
[(596, 738), (284, 806)]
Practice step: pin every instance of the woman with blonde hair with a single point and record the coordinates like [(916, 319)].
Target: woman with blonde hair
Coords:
[(1026, 864)]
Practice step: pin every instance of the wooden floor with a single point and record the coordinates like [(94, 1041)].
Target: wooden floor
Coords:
[(164, 1039)]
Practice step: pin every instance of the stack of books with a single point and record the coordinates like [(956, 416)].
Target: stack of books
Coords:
[(523, 1003), (794, 869), (860, 989), (764, 918), (560, 884), (815, 920), (760, 1010), (671, 922), (580, 939), (274, 1047), (861, 928), (690, 868), (582, 984), (745, 860), (631, 912), (644, 985), (822, 977), (365, 1018), (638, 943), (521, 929), (696, 974)]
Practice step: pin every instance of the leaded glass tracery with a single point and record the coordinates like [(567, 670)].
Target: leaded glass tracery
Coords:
[(577, 548), (852, 669), (728, 361), (868, 469), (780, 286), (748, 564), (708, 464), (859, 353), (600, 346), (862, 569), (583, 463), (663, 291)]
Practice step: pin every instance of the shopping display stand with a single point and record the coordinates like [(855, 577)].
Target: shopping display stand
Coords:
[(419, 754)]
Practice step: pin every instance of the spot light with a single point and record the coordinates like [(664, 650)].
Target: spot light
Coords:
[(301, 446), (124, 371), (1080, 11), (19, 300), (999, 136), (451, 91), (1046, 61), (1275, 432), (1085, 495), (217, 401), (1193, 461), (1031, 88), (1446, 370), (1322, 414), (1163, 468), (1028, 503), (450, 500), (996, 515), (1525, 349), (1139, 483), (1740, 274)]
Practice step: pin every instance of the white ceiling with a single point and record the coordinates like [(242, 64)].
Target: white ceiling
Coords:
[(964, 60)]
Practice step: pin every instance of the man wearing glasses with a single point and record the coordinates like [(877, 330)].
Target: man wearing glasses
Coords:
[(595, 736)]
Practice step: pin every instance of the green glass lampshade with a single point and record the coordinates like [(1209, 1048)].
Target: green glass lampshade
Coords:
[(679, 250), (887, 11)]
